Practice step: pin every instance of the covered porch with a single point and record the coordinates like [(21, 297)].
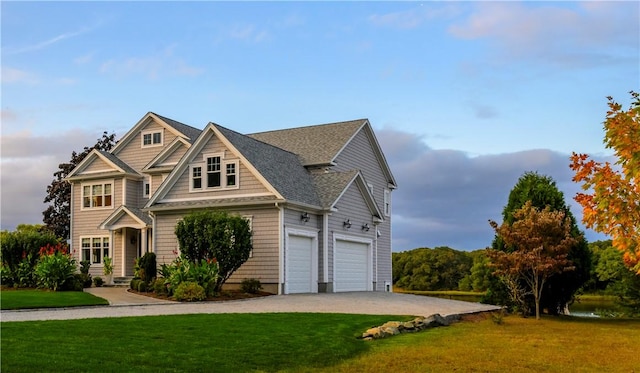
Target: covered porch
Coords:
[(130, 231)]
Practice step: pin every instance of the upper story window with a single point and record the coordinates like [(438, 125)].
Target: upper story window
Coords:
[(97, 195), (152, 138), (215, 172), (387, 202), (146, 187)]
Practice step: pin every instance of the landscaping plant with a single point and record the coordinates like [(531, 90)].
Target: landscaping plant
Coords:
[(55, 267)]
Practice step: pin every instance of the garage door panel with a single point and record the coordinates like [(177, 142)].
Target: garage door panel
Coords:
[(300, 265), (351, 266)]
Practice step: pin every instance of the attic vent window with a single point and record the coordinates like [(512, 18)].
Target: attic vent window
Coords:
[(152, 138)]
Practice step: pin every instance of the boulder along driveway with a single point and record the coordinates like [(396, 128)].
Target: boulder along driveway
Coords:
[(374, 303)]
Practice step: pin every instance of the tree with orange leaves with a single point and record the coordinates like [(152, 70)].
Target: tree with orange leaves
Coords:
[(541, 241), (611, 202)]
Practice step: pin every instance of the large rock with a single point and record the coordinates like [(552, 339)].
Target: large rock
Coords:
[(396, 327)]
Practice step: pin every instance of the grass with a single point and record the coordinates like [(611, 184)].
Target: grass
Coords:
[(18, 299), (185, 343), (552, 344), (318, 343)]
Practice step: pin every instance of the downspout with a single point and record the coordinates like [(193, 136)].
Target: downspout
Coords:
[(325, 249)]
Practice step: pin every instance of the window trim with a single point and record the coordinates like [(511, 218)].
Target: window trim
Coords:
[(387, 202), (109, 249), (91, 185), (146, 187), (152, 133)]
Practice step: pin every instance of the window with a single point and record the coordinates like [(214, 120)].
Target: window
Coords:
[(231, 174), (94, 249), (196, 180), (146, 187), (213, 172), (97, 195), (387, 202), (151, 138)]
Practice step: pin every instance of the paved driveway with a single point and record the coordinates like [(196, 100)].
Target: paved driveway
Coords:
[(123, 304)]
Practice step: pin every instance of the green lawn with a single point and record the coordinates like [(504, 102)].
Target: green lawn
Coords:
[(317, 343), (17, 299), (186, 343)]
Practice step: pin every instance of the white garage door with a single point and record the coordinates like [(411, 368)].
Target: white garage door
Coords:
[(351, 266), (300, 265)]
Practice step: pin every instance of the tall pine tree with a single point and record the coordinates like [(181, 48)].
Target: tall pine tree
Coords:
[(57, 216)]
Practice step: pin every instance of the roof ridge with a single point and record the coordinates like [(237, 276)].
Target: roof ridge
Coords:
[(173, 120), (309, 126)]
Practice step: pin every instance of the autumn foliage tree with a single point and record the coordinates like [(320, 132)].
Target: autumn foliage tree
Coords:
[(611, 201), (541, 242)]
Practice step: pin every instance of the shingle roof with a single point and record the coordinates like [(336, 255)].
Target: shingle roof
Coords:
[(281, 168), (331, 184), (316, 145), (231, 201), (191, 132)]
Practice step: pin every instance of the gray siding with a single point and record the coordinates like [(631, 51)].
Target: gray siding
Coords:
[(359, 155), (134, 193)]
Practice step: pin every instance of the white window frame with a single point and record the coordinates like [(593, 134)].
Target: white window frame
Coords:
[(91, 186), (152, 134), (387, 202), (224, 180), (93, 259)]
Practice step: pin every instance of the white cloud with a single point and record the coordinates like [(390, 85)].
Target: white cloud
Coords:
[(44, 44), (582, 35), (415, 17), (11, 75), (152, 67)]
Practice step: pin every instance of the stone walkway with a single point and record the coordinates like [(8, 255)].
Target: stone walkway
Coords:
[(124, 304)]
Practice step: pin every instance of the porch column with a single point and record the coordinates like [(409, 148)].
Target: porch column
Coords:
[(143, 240), (123, 244)]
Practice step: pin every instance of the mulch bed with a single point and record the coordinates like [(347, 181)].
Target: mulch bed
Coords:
[(223, 296)]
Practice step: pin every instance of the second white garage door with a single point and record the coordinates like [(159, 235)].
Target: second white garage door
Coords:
[(352, 266)]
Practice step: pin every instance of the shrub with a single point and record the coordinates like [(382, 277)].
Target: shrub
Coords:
[(148, 266), (55, 267), (84, 266), (142, 287), (97, 281), (251, 285), (20, 249), (134, 284), (159, 286), (209, 235), (204, 273), (189, 291), (75, 283)]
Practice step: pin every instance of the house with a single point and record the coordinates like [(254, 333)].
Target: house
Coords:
[(318, 200)]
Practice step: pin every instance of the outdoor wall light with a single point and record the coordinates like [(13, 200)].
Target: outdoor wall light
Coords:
[(365, 227), (304, 217), (347, 224)]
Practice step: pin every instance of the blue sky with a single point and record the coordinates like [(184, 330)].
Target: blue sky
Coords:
[(464, 96)]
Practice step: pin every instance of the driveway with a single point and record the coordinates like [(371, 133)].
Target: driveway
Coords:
[(124, 304)]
